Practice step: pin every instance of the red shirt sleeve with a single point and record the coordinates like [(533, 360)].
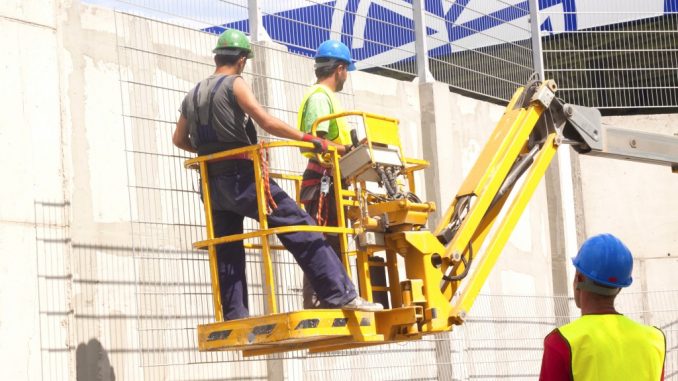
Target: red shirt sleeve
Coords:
[(556, 363)]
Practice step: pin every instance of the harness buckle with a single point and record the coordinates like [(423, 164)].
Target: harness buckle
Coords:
[(325, 183)]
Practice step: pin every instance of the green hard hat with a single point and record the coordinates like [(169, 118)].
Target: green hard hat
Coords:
[(231, 42)]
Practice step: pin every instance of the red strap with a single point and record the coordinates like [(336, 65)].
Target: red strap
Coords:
[(310, 182), (263, 157), (321, 218), (240, 156), (315, 167)]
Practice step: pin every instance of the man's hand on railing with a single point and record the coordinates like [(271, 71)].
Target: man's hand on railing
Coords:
[(319, 144)]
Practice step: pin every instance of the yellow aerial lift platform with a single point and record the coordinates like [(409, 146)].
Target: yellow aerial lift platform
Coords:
[(435, 288)]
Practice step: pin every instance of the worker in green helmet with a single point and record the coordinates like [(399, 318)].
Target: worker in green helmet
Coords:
[(217, 115), (603, 344)]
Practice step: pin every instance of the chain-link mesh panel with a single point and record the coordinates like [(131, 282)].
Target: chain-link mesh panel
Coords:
[(485, 50), (618, 60), (629, 65)]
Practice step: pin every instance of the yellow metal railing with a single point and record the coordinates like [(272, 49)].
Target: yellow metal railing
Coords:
[(379, 130), (264, 231)]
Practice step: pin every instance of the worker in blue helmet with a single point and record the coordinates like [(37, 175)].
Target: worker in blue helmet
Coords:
[(332, 63), (603, 344), (334, 50)]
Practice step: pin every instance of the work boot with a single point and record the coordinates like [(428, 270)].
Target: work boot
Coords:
[(360, 304)]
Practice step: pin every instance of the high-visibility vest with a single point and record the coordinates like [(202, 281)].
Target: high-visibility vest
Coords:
[(338, 131), (614, 347)]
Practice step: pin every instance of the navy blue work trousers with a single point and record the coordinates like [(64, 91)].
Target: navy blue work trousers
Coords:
[(233, 196)]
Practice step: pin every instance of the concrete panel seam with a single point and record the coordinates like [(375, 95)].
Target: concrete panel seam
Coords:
[(20, 21)]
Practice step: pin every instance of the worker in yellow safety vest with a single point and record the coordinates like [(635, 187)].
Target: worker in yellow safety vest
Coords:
[(603, 344), (332, 63)]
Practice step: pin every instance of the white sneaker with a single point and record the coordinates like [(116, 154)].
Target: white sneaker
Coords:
[(360, 304)]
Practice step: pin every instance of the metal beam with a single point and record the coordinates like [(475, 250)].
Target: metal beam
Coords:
[(593, 138), (639, 146)]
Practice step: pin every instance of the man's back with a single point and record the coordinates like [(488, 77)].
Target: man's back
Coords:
[(614, 347), (228, 122)]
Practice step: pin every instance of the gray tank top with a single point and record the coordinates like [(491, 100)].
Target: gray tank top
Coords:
[(216, 121)]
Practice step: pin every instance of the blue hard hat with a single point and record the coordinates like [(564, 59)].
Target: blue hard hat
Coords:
[(336, 50), (605, 260)]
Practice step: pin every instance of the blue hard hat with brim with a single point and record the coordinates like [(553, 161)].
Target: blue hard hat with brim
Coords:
[(337, 50)]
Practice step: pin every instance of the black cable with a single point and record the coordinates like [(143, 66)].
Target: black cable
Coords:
[(467, 266)]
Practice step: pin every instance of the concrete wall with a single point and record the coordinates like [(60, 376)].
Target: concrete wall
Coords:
[(97, 279), (32, 167), (637, 202)]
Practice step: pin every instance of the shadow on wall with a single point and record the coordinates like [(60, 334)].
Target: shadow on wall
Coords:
[(92, 363)]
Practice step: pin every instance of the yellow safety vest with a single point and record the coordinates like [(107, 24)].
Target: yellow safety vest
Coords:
[(614, 347), (342, 135)]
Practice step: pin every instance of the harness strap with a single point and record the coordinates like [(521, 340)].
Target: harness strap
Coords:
[(310, 182), (195, 103), (270, 202), (206, 133), (314, 166), (212, 93)]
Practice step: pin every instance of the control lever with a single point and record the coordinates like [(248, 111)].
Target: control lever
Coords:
[(354, 138)]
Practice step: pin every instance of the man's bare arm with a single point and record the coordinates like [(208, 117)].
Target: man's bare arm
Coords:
[(180, 137)]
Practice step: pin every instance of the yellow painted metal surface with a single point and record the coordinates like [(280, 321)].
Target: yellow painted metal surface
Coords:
[(266, 262), (499, 135), (209, 226), (417, 248), (485, 181), (382, 130), (340, 206), (276, 230), (401, 212), (533, 177), (413, 165), (307, 329)]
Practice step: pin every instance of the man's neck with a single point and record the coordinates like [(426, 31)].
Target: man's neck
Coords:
[(226, 70), (329, 83), (600, 307)]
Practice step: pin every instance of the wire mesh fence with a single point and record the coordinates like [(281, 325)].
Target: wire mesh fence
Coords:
[(630, 64), (620, 61), (486, 49)]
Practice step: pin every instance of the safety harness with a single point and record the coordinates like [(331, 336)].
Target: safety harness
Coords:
[(208, 143)]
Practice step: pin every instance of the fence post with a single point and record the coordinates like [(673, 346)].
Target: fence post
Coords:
[(535, 24), (421, 47), (566, 228), (257, 31)]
